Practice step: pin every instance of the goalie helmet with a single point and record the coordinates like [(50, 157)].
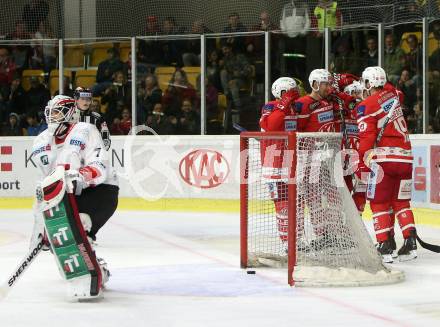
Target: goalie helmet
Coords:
[(281, 85), (58, 111), (319, 76), (355, 87), (375, 76)]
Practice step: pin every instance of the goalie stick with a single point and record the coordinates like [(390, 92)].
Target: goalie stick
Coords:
[(25, 263)]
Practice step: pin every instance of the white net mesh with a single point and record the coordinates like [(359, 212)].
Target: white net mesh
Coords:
[(115, 18), (333, 247)]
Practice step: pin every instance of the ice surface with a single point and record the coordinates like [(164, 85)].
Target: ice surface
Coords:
[(182, 269)]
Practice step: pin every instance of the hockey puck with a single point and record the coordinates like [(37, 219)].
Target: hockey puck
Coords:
[(250, 272)]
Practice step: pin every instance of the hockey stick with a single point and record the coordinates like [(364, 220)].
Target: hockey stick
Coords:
[(427, 246), (6, 287), (239, 128), (385, 123)]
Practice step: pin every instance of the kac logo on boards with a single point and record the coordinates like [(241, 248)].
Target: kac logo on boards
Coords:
[(204, 168)]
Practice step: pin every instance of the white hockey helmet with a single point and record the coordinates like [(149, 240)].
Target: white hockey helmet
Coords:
[(59, 110), (375, 76), (283, 84), (319, 76), (355, 87)]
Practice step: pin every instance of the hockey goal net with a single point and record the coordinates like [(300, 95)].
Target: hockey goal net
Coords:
[(296, 212)]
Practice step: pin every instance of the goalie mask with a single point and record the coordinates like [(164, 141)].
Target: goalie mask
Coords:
[(59, 112), (282, 85)]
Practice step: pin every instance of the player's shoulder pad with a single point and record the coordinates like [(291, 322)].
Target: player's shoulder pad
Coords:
[(269, 106), (96, 115), (43, 139), (361, 109)]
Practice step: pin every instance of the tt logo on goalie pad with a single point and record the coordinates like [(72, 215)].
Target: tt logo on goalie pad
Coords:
[(71, 263), (60, 236)]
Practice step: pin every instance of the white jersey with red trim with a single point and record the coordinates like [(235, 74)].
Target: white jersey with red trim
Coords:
[(81, 149)]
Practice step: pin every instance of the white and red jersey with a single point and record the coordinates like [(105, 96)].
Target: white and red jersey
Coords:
[(277, 116), (394, 146), (81, 149), (314, 115)]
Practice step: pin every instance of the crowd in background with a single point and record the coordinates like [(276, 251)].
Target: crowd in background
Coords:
[(235, 69)]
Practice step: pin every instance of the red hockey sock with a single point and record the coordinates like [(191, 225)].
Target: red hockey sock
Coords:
[(382, 221), (405, 218), (282, 219), (392, 222)]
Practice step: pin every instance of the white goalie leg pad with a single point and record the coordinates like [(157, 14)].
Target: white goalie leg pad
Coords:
[(79, 289)]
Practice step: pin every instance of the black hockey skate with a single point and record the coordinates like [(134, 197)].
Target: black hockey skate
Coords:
[(408, 251), (386, 251)]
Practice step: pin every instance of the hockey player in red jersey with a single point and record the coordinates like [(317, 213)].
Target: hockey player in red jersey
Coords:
[(359, 188), (385, 152), (315, 111), (278, 116)]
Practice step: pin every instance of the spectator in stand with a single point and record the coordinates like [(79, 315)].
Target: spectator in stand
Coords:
[(44, 52), (106, 71), (235, 73), (178, 89), (189, 120), (122, 126), (37, 96), (4, 108), (408, 87), (35, 127), (213, 69), (238, 43), (17, 96), (67, 89), (117, 96), (191, 55), (12, 127), (34, 13), (7, 68), (434, 59), (414, 59), (95, 106), (149, 51), (211, 99), (392, 59), (371, 54), (326, 14), (20, 53), (255, 44), (345, 60), (148, 96), (159, 122), (171, 49)]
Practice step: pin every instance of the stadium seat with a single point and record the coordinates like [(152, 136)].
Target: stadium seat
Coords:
[(193, 74), (222, 106), (85, 78), (404, 41), (164, 75), (433, 44), (74, 56), (27, 74), (99, 53), (54, 79), (249, 87)]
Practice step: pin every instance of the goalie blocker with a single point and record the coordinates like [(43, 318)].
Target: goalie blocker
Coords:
[(74, 255)]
